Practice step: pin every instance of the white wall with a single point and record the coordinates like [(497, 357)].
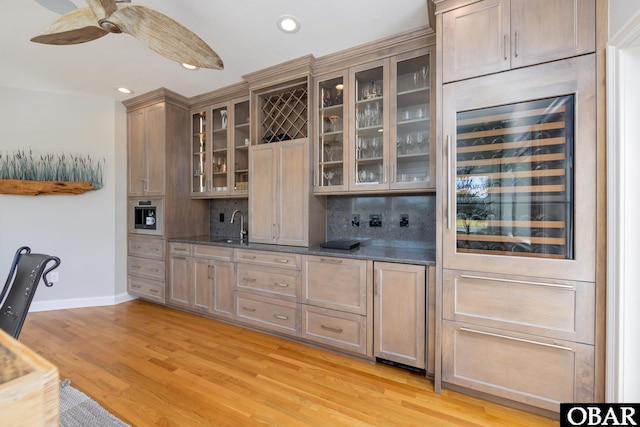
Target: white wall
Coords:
[(623, 150), (87, 232)]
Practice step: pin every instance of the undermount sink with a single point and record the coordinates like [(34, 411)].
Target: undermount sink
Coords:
[(230, 240)]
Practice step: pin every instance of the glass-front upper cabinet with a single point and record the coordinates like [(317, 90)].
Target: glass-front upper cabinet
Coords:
[(241, 143), (369, 146), (220, 145), (411, 149), (331, 117), (373, 126), (199, 152), (521, 183)]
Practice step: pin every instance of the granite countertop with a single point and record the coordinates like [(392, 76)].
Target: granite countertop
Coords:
[(418, 256)]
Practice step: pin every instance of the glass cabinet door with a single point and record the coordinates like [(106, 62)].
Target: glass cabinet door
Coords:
[(241, 143), (369, 147), (411, 147), (220, 154), (331, 118), (514, 179), (199, 152), (520, 185)]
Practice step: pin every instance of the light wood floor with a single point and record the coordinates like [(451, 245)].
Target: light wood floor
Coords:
[(155, 366)]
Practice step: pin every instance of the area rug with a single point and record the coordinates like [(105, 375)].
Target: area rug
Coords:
[(79, 410)]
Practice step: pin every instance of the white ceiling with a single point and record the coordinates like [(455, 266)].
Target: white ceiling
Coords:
[(242, 32)]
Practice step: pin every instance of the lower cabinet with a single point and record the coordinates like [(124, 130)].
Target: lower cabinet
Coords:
[(525, 339), (400, 313), (337, 303), (267, 288), (146, 267), (201, 279)]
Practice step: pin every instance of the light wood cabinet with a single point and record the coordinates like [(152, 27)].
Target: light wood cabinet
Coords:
[(496, 35), (267, 290), (202, 279), (531, 369), (373, 124), (146, 267), (337, 303), (220, 149), (400, 306), (282, 209), (146, 150)]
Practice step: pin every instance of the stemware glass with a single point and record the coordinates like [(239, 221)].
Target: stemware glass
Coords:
[(333, 119), (424, 73), (328, 175)]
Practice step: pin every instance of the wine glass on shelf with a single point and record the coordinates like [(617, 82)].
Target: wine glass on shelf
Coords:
[(424, 73), (328, 175), (333, 119)]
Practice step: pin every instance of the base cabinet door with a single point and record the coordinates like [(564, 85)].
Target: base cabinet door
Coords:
[(400, 313), (179, 289), (525, 368)]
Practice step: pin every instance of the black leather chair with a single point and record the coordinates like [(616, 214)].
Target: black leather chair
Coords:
[(26, 271)]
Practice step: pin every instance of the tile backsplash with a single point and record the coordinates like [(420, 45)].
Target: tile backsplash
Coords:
[(420, 210)]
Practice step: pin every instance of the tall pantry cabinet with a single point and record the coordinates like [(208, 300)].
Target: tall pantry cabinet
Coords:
[(517, 152), (158, 161)]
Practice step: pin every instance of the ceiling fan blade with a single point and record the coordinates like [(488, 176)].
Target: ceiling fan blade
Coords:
[(58, 6), (102, 8), (165, 36), (77, 26)]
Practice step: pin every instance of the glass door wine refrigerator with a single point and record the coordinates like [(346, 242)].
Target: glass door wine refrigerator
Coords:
[(520, 162)]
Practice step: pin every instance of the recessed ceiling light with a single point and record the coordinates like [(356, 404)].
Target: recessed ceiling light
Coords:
[(288, 24), (124, 90), (189, 66)]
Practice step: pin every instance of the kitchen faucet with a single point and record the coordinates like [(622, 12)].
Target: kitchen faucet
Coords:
[(243, 231)]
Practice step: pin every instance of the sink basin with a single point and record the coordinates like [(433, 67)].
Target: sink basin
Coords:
[(230, 240)]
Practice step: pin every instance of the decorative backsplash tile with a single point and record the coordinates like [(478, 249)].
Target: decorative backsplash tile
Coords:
[(420, 210)]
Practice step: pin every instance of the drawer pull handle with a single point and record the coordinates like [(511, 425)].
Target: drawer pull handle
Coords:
[(520, 282), (135, 286), (559, 347), (179, 257), (331, 260), (135, 267), (248, 279), (329, 328), (248, 257), (136, 247), (281, 317), (282, 285), (282, 261), (248, 308), (153, 291)]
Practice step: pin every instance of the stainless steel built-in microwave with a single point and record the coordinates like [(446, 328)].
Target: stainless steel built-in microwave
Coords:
[(146, 216)]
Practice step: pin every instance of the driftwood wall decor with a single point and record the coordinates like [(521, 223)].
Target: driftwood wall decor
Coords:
[(30, 174)]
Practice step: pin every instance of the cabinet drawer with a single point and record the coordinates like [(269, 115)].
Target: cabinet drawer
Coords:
[(269, 258), (147, 247), (180, 249), (276, 281), (214, 252), (151, 268), (533, 370), (268, 313), (559, 309), (147, 289), (344, 331), (336, 283)]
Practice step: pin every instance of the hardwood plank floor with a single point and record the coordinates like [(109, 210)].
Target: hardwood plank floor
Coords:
[(155, 366)]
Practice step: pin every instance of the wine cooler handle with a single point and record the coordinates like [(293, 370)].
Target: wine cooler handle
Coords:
[(449, 180)]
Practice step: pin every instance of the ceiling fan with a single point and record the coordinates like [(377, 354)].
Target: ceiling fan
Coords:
[(157, 31)]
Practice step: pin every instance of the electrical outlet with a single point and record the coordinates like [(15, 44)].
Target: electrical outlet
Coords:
[(355, 220), (53, 277), (404, 220), (375, 220), (221, 216)]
